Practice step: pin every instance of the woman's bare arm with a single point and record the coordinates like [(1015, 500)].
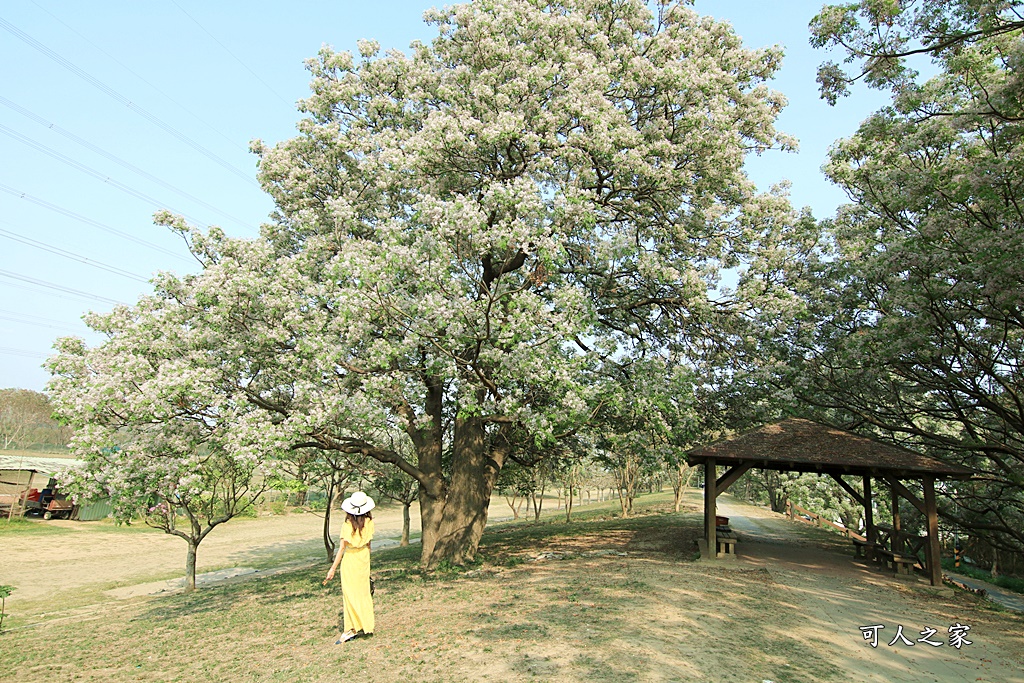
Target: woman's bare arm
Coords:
[(337, 561)]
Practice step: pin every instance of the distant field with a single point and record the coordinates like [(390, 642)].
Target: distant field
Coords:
[(45, 453)]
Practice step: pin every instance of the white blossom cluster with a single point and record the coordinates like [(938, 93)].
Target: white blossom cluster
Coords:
[(477, 231)]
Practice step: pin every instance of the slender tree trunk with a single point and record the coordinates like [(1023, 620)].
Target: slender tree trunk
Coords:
[(538, 501), (515, 502), (568, 504), (627, 475), (328, 542), (405, 523), (190, 565), (684, 475)]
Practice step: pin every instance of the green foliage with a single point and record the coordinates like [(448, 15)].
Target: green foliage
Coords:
[(248, 512), (911, 327), (883, 36), (26, 422), (317, 505), (286, 484), (5, 591), (1011, 583)]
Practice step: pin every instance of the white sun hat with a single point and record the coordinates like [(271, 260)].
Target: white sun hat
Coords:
[(357, 504)]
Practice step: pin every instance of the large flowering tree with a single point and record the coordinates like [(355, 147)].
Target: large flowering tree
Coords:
[(471, 239)]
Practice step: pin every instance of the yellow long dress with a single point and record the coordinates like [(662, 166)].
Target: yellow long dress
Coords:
[(355, 577)]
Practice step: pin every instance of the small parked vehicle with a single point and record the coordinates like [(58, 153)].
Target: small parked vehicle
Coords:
[(48, 504)]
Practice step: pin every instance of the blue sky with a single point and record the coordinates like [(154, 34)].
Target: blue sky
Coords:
[(110, 111)]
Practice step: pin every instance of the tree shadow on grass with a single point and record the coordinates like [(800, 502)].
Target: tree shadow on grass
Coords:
[(392, 568), (658, 531), (294, 587), (312, 547)]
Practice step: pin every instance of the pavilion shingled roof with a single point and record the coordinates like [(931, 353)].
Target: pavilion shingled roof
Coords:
[(802, 445)]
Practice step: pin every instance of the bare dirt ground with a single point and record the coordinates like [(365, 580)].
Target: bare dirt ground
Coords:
[(838, 596), (79, 564), (606, 599)]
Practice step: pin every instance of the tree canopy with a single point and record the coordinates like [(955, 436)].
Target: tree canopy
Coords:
[(918, 330), (472, 243)]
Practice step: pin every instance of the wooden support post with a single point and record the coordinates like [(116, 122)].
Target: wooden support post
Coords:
[(897, 523), (869, 516), (710, 506), (931, 512), (869, 519)]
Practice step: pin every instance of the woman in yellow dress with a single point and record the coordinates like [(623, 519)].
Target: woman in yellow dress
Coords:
[(354, 558)]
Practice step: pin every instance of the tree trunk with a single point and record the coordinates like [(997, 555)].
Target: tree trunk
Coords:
[(568, 505), (328, 542), (453, 523), (405, 524), (538, 501), (515, 502), (682, 480), (627, 475), (190, 566)]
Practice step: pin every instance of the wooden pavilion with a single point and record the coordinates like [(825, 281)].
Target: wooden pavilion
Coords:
[(798, 445)]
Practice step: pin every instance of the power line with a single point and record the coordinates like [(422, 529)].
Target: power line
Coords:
[(71, 255), (8, 351), (17, 319), (96, 224), (29, 288), (121, 162), (29, 317), (235, 57), (88, 170), (59, 288), (102, 87), (139, 76)]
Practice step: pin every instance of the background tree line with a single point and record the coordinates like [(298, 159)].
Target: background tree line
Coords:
[(27, 422)]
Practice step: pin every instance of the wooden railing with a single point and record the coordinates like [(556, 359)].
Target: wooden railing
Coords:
[(799, 514), (907, 545), (902, 543)]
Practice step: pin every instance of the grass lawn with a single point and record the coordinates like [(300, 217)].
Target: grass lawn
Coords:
[(600, 599), (35, 526)]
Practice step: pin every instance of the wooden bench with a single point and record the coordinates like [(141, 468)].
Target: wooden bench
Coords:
[(726, 543), (863, 548), (903, 564)]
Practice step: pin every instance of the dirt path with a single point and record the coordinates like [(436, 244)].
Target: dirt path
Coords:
[(839, 596)]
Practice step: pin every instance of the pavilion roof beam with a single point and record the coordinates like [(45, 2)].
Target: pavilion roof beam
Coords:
[(906, 493), (849, 489), (730, 477)]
